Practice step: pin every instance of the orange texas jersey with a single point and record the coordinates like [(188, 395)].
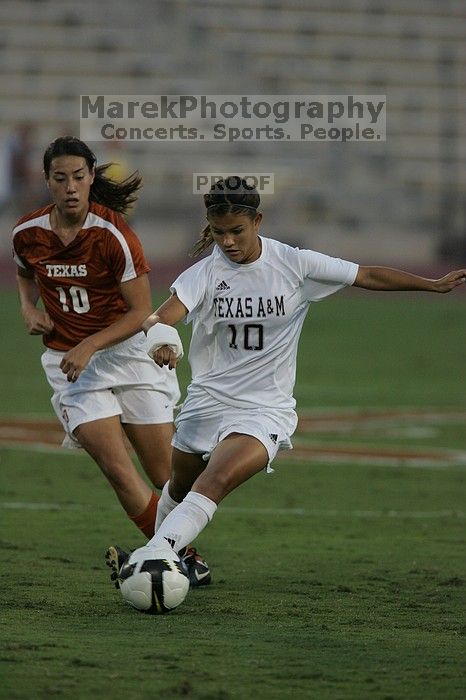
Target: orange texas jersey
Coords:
[(79, 283)]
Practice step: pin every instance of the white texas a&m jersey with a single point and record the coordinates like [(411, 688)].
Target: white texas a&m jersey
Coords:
[(247, 319)]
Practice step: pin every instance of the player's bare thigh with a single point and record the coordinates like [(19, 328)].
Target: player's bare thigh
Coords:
[(233, 461)]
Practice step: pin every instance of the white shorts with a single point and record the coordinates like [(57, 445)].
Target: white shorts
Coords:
[(119, 381), (203, 422)]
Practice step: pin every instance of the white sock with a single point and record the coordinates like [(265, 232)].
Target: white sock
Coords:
[(164, 506), (185, 522)]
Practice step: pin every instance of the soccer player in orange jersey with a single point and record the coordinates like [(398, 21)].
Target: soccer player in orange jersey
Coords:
[(82, 259)]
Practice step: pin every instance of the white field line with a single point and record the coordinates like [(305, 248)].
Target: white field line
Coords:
[(375, 412), (28, 417), (336, 455), (334, 513), (238, 510), (41, 447), (382, 462), (21, 432)]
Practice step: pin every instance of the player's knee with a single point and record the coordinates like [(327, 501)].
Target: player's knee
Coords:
[(215, 486)]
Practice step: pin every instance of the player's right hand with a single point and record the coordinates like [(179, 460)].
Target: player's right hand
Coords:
[(165, 355), (450, 281), (37, 322)]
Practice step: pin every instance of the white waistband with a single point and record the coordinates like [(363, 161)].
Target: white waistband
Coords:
[(133, 340)]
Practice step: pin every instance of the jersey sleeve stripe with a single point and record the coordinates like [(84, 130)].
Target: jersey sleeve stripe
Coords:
[(129, 271), (18, 260), (40, 222)]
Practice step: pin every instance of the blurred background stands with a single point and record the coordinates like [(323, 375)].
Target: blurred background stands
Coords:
[(399, 202)]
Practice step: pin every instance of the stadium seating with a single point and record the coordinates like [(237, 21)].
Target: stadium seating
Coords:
[(414, 52)]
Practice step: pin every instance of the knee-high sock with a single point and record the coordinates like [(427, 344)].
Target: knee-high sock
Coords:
[(165, 506), (185, 522)]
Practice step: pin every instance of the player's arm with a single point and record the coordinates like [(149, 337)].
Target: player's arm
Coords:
[(172, 311), (136, 293), (157, 327), (389, 279), (37, 321)]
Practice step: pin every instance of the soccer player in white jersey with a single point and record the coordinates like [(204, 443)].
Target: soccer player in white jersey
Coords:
[(247, 302)]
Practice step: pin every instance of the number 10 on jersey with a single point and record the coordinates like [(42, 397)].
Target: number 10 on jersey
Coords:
[(252, 336), (76, 297)]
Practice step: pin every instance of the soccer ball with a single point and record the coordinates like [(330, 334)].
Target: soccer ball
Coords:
[(152, 581)]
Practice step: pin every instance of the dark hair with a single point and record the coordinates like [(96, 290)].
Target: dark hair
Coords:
[(230, 195), (118, 196)]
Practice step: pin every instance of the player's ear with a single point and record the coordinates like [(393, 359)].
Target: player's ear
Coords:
[(92, 173), (257, 220), (46, 178)]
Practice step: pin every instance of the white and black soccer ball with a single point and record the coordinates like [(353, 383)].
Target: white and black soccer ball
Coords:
[(153, 582)]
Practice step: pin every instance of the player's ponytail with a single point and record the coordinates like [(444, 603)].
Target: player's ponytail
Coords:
[(118, 196), (231, 195), (204, 241)]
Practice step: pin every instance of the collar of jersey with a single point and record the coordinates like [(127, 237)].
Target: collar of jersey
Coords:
[(84, 226)]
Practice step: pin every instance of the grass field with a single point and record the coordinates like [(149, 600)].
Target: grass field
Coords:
[(342, 575)]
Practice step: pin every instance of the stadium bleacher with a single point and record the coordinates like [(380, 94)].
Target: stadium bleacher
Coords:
[(381, 199)]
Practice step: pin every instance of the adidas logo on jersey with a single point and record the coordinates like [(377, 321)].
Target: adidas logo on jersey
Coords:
[(222, 286), (273, 437)]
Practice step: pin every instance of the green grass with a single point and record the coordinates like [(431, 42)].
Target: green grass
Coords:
[(330, 581)]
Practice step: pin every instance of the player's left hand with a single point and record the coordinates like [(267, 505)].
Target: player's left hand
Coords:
[(165, 355), (76, 359), (450, 281)]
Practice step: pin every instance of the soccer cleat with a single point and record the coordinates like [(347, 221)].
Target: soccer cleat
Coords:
[(115, 557), (197, 569)]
